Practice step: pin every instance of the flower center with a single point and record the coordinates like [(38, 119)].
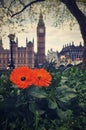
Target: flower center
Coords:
[(23, 78), (39, 77)]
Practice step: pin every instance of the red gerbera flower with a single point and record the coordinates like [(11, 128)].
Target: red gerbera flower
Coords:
[(42, 78), (21, 77)]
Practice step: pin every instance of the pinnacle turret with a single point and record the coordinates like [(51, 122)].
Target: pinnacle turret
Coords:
[(41, 21)]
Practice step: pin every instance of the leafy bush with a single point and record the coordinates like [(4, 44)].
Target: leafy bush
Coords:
[(61, 106)]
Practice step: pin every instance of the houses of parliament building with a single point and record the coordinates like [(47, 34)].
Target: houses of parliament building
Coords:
[(25, 56)]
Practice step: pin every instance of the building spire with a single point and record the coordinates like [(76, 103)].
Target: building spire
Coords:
[(1, 45), (26, 40), (0, 41), (17, 40), (33, 40), (41, 21)]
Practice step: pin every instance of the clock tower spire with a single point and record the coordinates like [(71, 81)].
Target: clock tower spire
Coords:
[(40, 41)]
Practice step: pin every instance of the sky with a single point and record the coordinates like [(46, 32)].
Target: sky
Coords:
[(55, 37)]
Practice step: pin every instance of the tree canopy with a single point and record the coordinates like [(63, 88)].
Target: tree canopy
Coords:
[(12, 11)]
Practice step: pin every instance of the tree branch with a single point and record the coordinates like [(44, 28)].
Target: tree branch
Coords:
[(9, 10), (21, 2), (78, 14), (26, 6)]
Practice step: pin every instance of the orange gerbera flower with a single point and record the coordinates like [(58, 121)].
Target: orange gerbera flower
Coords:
[(22, 77), (42, 78)]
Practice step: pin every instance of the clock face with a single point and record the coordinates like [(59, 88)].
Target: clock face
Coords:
[(41, 30)]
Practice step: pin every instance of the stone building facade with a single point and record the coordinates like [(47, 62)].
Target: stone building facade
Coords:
[(22, 56), (71, 51), (25, 56)]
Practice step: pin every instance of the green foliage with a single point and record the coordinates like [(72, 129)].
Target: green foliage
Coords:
[(62, 106)]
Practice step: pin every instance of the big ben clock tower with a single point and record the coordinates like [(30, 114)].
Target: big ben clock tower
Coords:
[(40, 41)]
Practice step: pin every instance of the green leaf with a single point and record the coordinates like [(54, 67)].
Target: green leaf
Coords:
[(64, 115), (38, 93), (68, 97), (62, 128), (32, 107), (65, 93), (52, 104), (1, 98), (64, 79), (41, 112)]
